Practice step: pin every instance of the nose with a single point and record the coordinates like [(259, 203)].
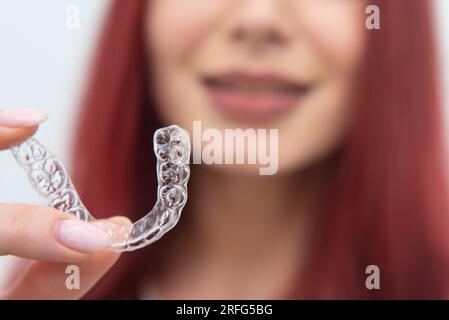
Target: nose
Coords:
[(260, 24)]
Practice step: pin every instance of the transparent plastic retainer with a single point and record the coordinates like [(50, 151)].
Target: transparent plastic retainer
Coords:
[(171, 146)]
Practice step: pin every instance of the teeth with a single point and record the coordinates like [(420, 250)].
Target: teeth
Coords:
[(255, 87)]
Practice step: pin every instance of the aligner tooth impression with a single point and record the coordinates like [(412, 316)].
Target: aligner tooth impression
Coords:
[(171, 146)]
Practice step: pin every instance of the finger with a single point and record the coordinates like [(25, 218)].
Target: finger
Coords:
[(15, 270), (9, 136), (43, 233), (21, 117), (18, 124), (48, 281)]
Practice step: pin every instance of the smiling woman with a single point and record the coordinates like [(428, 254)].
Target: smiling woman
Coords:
[(360, 185), (361, 149)]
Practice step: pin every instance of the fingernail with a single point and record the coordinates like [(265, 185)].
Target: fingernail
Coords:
[(118, 232), (21, 117), (82, 236)]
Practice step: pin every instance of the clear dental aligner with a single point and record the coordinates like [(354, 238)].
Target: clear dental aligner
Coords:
[(171, 145)]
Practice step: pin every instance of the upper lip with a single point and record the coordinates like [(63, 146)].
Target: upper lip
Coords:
[(259, 82)]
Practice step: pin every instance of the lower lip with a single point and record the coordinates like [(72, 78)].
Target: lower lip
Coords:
[(251, 106)]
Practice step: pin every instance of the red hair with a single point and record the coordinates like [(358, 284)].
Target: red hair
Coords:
[(387, 207)]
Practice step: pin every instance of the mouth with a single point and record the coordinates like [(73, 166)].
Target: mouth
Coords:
[(254, 96)]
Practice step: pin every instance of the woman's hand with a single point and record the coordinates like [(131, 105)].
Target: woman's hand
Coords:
[(50, 239)]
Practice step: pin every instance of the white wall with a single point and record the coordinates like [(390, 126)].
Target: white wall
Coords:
[(442, 13), (42, 65)]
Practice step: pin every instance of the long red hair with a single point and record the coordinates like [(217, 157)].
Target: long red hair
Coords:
[(388, 205)]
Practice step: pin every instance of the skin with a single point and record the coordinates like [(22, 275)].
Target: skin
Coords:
[(27, 232), (238, 246), (321, 44)]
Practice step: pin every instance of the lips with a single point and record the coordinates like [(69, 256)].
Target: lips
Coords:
[(254, 96)]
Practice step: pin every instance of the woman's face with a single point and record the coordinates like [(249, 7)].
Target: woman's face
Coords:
[(276, 64)]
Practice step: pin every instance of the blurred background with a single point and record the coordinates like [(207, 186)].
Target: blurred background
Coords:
[(43, 60)]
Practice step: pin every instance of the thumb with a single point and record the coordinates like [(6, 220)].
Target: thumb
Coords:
[(47, 280)]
